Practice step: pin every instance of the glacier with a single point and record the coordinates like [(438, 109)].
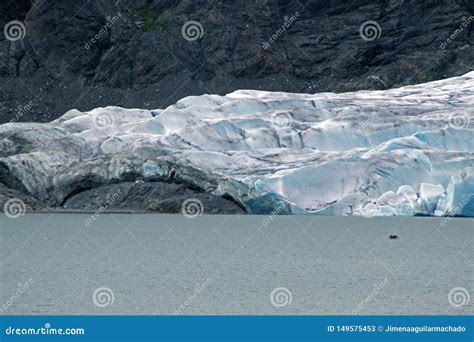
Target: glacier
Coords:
[(406, 151)]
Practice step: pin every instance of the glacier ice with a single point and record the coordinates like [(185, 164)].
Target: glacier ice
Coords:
[(405, 151)]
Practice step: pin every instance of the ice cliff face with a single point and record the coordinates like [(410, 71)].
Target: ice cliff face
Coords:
[(405, 151)]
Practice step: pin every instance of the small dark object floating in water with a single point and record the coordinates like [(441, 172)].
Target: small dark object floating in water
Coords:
[(393, 237)]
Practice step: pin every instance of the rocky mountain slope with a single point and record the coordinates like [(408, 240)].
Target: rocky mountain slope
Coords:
[(404, 151), (135, 53)]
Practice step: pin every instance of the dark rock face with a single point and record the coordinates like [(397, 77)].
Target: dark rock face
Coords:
[(156, 197), (29, 202), (133, 54)]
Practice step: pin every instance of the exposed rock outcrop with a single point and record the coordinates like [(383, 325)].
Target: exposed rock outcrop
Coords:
[(30, 203), (155, 197), (132, 53)]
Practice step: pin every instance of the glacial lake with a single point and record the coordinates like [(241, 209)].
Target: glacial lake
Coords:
[(252, 265)]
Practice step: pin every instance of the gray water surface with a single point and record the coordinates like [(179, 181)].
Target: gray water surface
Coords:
[(169, 264)]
